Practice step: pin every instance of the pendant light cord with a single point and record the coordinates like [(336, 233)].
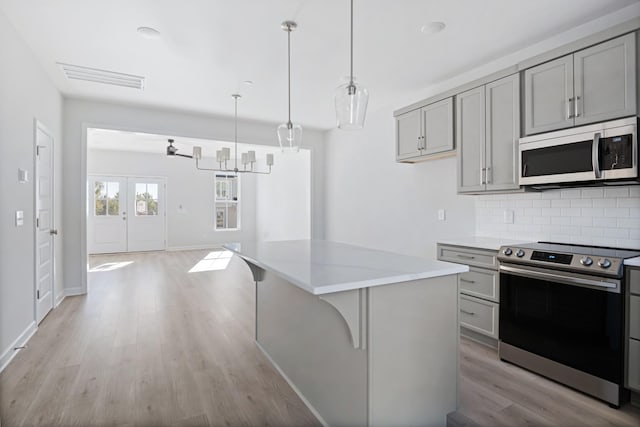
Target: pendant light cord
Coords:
[(289, 71), (235, 130), (351, 76)]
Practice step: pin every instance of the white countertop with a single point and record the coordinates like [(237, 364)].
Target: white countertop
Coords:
[(323, 267), (481, 242), (632, 262)]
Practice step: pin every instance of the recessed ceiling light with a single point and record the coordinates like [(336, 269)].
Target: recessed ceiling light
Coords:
[(149, 33), (248, 82), (432, 27)]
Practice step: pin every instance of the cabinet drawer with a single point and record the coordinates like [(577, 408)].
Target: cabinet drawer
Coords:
[(479, 315), (475, 257), (633, 365), (634, 317), (480, 283), (634, 281)]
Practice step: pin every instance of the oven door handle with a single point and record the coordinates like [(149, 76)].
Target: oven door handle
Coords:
[(558, 277)]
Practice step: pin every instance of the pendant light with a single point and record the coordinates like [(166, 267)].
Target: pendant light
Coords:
[(289, 134), (351, 98), (223, 156)]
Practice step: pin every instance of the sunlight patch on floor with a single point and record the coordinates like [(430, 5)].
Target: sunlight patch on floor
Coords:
[(216, 260), (109, 266)]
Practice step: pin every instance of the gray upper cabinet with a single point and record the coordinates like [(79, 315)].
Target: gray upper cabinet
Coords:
[(487, 132), (425, 131), (591, 85), (437, 122), (548, 94), (408, 135), (605, 81), (470, 139), (502, 133)]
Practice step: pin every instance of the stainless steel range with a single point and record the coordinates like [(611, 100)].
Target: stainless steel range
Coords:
[(562, 314)]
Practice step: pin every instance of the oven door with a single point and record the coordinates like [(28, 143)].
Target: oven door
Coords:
[(572, 319)]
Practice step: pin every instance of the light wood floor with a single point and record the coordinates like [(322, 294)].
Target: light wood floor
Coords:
[(154, 345), (150, 345)]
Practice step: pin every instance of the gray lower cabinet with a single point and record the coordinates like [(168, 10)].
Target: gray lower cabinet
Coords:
[(425, 131), (487, 133), (633, 330), (479, 289), (591, 85)]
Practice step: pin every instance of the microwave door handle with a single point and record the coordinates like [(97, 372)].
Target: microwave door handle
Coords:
[(595, 157)]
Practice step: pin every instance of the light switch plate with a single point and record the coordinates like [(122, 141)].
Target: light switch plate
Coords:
[(19, 218), (23, 176), (442, 214)]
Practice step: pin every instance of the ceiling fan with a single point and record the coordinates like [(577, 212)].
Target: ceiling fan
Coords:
[(173, 151)]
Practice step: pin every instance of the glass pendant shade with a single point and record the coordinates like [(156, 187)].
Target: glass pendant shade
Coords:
[(290, 137), (351, 105)]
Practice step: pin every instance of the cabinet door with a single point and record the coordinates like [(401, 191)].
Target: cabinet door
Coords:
[(470, 139), (548, 96), (503, 132), (605, 80), (408, 135), (437, 126)]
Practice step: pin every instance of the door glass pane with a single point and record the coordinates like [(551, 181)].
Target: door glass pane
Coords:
[(113, 197), (146, 199), (100, 197), (558, 159)]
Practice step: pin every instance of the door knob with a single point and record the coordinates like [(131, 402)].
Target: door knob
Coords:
[(53, 232)]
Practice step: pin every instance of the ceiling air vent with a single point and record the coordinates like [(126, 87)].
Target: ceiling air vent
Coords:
[(76, 72)]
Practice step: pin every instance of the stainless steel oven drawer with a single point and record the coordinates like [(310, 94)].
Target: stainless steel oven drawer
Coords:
[(480, 283), (634, 317), (479, 315), (474, 257)]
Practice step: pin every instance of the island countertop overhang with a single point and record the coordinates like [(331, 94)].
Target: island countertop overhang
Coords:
[(323, 267)]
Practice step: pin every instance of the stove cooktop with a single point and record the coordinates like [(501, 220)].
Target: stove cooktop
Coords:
[(585, 259), (598, 251)]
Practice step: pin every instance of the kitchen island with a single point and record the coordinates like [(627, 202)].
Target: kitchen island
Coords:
[(364, 337)]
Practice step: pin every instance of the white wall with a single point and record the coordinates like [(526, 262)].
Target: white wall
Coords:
[(25, 94), (373, 201), (283, 199), (590, 216), (192, 226), (80, 114)]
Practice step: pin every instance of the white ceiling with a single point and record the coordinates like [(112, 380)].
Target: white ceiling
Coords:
[(209, 47)]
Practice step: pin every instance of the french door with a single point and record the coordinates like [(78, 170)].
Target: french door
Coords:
[(126, 214)]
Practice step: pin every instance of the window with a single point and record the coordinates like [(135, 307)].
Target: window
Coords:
[(227, 203), (107, 198), (146, 199)]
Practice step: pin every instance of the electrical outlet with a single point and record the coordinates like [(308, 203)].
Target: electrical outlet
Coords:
[(508, 216), (442, 214), (19, 218)]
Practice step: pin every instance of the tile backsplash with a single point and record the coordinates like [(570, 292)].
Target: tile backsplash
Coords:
[(606, 216)]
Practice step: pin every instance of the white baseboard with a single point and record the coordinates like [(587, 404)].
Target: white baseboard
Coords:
[(9, 353), (194, 247), (70, 292), (59, 299), (293, 386)]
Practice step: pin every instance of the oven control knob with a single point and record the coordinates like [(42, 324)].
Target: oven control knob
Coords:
[(520, 253), (604, 263), (507, 251), (586, 261)]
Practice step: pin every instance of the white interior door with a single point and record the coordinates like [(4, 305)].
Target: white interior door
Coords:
[(107, 214), (44, 223), (146, 219)]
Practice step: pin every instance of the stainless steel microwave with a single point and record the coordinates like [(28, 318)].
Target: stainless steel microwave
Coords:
[(603, 153)]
